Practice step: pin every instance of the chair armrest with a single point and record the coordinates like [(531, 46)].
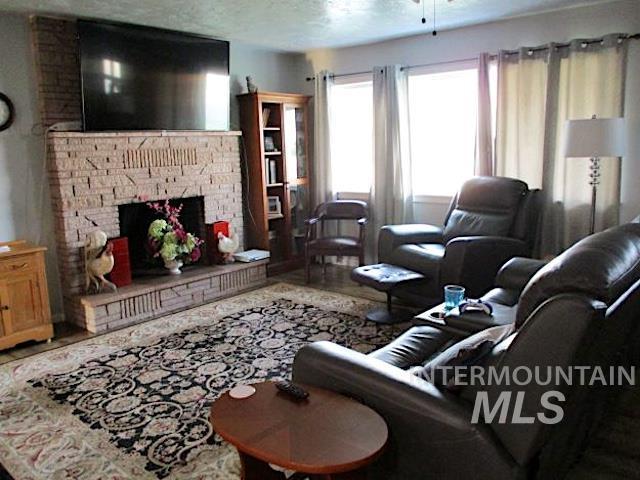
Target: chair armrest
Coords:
[(473, 262), (310, 226), (362, 223), (392, 236), (517, 272), (420, 418)]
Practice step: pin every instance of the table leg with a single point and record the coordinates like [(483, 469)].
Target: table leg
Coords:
[(254, 469)]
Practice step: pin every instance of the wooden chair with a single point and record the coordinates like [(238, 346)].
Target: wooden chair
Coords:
[(338, 245)]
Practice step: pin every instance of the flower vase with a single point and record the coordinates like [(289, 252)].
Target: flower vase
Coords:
[(173, 266)]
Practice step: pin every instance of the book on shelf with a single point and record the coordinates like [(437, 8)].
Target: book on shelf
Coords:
[(273, 171), (266, 113)]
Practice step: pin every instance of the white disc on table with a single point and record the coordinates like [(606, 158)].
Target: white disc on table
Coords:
[(242, 391)]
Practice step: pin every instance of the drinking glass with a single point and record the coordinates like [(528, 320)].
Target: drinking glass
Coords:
[(453, 296)]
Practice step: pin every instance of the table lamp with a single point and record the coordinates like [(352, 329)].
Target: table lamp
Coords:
[(594, 138)]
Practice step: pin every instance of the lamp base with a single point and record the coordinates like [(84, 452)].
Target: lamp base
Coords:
[(594, 181)]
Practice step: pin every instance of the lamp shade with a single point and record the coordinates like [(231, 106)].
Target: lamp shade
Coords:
[(594, 137)]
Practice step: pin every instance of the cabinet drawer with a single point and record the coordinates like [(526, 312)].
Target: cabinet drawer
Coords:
[(18, 264)]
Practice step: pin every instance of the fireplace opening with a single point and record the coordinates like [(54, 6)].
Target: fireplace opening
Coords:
[(135, 219)]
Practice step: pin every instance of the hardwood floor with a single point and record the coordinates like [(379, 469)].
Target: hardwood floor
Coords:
[(64, 334)]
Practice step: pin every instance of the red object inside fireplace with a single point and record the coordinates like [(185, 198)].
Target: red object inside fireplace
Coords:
[(121, 273), (213, 254)]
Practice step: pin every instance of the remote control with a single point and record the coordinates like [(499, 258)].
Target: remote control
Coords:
[(292, 390)]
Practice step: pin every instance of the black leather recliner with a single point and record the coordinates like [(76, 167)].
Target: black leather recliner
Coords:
[(491, 220), (580, 309)]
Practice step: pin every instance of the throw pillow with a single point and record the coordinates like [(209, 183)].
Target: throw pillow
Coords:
[(465, 353)]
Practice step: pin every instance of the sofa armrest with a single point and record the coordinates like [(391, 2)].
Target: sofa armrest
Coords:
[(392, 236), (517, 272), (420, 418), (473, 262)]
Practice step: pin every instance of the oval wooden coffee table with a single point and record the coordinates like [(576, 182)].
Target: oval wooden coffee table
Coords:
[(328, 436)]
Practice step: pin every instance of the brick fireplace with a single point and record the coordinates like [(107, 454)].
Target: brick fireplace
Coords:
[(92, 175)]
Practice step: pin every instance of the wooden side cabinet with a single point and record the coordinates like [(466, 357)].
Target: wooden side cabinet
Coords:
[(275, 133), (24, 298)]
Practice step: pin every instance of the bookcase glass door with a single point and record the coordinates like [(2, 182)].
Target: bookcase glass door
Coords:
[(297, 173)]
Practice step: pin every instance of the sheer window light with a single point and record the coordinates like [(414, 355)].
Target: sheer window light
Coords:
[(442, 114), (352, 136)]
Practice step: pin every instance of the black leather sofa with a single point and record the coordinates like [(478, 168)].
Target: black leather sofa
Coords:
[(579, 309), (490, 220)]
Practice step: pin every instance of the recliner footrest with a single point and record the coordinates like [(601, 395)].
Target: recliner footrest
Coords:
[(383, 276)]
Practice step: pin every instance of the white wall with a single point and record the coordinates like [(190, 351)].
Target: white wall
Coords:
[(270, 70), (463, 43), (21, 151)]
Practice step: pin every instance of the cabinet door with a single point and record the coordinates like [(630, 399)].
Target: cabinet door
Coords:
[(4, 319), (297, 170), (21, 294)]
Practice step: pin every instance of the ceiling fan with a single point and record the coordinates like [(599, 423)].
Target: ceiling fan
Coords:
[(424, 18)]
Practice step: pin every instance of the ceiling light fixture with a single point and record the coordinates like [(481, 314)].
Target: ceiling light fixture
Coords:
[(424, 18)]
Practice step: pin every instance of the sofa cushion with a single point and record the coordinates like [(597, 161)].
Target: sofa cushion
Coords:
[(413, 347), (516, 273), (502, 296), (601, 266), (485, 206), (466, 352), (424, 258)]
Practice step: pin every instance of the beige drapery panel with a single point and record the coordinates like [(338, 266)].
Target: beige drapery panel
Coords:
[(322, 191), (537, 93), (484, 164), (392, 191)]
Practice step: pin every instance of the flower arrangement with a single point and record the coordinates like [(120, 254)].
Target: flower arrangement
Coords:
[(167, 238)]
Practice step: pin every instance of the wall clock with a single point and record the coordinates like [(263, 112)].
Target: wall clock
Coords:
[(6, 112)]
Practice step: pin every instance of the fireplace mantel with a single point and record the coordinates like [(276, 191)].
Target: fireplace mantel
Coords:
[(92, 173)]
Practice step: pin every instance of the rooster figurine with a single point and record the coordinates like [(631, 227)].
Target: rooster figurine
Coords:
[(98, 261), (227, 246)]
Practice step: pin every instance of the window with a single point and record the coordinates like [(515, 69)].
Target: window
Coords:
[(442, 116), (352, 136)]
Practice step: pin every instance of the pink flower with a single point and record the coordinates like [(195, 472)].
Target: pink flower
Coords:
[(181, 234), (195, 254)]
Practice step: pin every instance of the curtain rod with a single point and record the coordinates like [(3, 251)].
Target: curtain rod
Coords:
[(635, 36)]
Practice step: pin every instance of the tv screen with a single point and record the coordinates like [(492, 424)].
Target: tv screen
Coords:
[(138, 78)]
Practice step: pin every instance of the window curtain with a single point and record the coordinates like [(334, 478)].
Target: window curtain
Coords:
[(484, 141), (537, 92), (590, 81), (322, 184), (391, 192)]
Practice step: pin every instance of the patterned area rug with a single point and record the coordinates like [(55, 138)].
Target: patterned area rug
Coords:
[(135, 403)]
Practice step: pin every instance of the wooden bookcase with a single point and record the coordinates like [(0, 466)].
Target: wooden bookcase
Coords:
[(275, 135)]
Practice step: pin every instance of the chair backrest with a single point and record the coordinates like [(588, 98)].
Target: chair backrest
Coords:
[(601, 266), (576, 311), (341, 210), (488, 206)]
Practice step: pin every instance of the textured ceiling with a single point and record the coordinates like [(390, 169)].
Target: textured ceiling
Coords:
[(293, 25)]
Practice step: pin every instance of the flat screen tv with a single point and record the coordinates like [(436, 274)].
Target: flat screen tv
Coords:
[(139, 78)]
